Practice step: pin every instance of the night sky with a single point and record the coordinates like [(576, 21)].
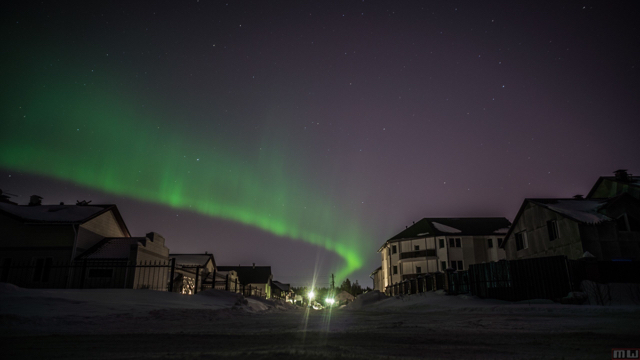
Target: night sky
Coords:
[(303, 134)]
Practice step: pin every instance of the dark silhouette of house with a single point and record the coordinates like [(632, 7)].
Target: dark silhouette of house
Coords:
[(258, 277)]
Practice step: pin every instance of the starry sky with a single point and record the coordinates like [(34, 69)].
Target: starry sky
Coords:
[(303, 134)]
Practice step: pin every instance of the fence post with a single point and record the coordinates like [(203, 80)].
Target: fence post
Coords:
[(195, 286), (213, 282), (84, 273), (173, 270), (235, 288)]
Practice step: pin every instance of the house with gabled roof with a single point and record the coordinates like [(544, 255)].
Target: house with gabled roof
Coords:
[(51, 241), (607, 228), (187, 266), (432, 245), (257, 277), (281, 290)]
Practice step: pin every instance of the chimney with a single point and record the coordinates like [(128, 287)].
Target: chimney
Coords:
[(35, 200), (622, 175)]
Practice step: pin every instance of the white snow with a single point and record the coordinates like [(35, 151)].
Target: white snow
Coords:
[(102, 302), (445, 228), (585, 211), (501, 231)]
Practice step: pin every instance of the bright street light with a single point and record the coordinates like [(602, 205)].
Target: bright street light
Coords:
[(311, 295), (329, 301)]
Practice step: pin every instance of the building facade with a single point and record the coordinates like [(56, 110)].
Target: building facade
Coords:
[(606, 228), (434, 244)]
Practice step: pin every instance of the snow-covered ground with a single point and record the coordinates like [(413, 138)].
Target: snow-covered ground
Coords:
[(144, 324)]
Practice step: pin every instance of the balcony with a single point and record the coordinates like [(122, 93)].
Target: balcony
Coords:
[(418, 254)]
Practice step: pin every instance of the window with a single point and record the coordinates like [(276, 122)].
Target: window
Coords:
[(416, 247), (490, 243), (394, 249), (521, 241), (499, 242), (101, 273), (443, 266), (460, 267), (395, 270), (441, 243), (552, 228), (453, 265), (418, 270), (457, 242), (452, 242)]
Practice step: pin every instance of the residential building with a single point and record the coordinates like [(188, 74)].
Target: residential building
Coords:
[(78, 245), (281, 291), (610, 186), (434, 244), (258, 277), (607, 228), (125, 262), (187, 266)]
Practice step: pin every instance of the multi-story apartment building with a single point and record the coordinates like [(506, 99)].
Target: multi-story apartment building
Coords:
[(434, 244)]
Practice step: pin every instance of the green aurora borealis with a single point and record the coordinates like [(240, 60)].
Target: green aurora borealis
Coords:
[(98, 139)]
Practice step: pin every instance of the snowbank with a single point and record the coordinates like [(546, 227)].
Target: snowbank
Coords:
[(364, 300), (439, 301), (100, 302)]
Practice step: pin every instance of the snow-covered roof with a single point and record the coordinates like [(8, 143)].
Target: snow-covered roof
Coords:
[(54, 213), (483, 226), (582, 210), (445, 228)]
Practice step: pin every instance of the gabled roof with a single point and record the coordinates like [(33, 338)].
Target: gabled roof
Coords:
[(634, 182), (60, 214), (250, 274), (193, 259), (111, 248), (429, 227), (281, 286), (585, 211)]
